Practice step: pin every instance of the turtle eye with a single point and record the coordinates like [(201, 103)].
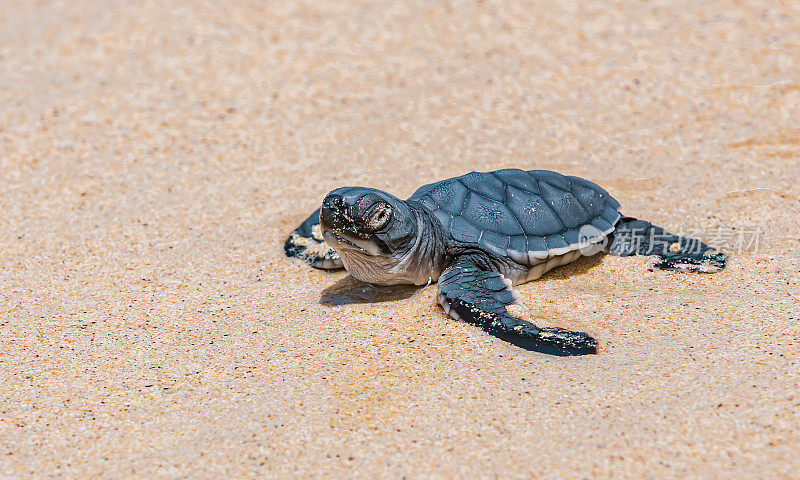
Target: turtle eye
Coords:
[(380, 216)]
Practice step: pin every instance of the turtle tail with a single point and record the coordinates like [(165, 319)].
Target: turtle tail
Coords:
[(632, 236)]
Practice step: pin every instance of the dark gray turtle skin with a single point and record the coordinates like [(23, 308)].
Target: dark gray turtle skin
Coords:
[(479, 234)]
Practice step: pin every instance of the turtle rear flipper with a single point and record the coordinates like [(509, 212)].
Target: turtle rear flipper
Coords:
[(469, 292), (307, 244), (632, 236)]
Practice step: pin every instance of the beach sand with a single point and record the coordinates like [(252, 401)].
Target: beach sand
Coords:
[(155, 155)]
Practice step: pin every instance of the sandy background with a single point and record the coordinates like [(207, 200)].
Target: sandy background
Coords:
[(154, 156)]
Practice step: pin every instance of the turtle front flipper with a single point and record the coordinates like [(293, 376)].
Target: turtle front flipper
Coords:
[(632, 236), (470, 291), (307, 244)]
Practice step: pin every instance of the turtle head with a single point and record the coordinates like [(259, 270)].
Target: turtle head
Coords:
[(372, 231), (367, 221)]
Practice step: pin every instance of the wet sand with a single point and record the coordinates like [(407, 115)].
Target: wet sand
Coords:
[(155, 155)]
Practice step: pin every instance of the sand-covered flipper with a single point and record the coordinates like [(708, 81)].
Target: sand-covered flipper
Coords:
[(638, 237), (307, 244), (470, 292)]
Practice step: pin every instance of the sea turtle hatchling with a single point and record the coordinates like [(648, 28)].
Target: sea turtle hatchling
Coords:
[(481, 233)]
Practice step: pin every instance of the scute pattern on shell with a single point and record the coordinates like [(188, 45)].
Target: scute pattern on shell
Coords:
[(528, 216)]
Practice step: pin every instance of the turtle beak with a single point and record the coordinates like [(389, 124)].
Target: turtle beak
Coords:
[(332, 209), (338, 227), (326, 218), (336, 212), (340, 241)]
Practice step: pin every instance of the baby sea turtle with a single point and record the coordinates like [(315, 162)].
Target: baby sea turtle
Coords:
[(481, 233)]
